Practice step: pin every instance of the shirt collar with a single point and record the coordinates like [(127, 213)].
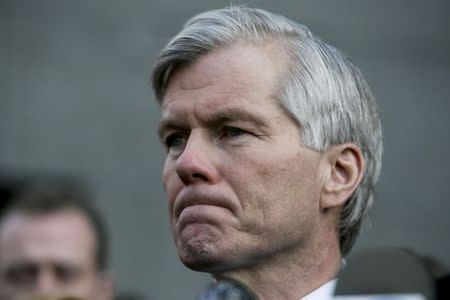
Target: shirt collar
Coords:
[(325, 292)]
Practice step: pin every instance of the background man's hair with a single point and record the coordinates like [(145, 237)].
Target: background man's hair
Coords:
[(320, 88), (43, 197)]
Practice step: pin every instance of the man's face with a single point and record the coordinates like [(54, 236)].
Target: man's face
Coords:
[(50, 254), (240, 185)]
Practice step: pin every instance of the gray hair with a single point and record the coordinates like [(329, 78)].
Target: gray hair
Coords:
[(322, 90)]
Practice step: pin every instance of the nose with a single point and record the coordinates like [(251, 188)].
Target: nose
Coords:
[(196, 163), (46, 282)]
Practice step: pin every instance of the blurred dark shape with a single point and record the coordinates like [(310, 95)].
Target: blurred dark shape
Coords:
[(389, 271), (9, 186), (129, 296), (227, 290), (441, 274), (443, 287), (53, 298)]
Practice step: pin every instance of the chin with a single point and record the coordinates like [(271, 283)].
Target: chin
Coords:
[(202, 253), (206, 263), (208, 258), (204, 247)]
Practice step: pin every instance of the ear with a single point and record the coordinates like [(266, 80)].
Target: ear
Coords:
[(345, 172)]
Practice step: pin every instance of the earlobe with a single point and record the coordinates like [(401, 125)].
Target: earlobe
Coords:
[(346, 170)]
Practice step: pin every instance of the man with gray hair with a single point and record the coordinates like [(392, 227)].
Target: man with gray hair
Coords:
[(273, 149)]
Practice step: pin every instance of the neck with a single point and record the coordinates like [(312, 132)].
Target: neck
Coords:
[(291, 275)]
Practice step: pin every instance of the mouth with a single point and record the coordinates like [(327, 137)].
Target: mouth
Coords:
[(194, 199)]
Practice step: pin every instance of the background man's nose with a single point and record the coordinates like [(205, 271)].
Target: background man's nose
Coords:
[(46, 283)]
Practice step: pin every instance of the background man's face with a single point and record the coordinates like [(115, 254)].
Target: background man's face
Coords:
[(46, 255), (240, 185)]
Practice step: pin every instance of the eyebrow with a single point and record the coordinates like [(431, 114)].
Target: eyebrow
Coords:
[(223, 116), (169, 124)]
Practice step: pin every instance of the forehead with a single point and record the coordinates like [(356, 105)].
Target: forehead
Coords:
[(234, 72), (64, 236)]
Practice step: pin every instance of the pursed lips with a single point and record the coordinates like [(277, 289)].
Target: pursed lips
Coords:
[(190, 197)]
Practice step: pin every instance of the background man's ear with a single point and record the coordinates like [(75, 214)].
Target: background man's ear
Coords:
[(346, 170)]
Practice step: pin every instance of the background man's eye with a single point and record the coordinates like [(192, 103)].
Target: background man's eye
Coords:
[(66, 274), (22, 275)]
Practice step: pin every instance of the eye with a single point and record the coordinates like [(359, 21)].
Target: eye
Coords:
[(175, 140), (230, 131), (66, 273), (21, 274)]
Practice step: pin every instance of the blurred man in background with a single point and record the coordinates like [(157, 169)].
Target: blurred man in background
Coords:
[(52, 244), (273, 150)]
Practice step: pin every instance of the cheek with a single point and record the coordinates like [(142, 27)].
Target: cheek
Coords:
[(167, 173), (257, 180), (266, 170), (172, 184), (269, 185)]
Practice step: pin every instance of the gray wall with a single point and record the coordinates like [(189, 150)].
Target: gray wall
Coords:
[(75, 100)]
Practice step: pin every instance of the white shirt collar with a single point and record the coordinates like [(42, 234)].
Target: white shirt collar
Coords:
[(325, 292)]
